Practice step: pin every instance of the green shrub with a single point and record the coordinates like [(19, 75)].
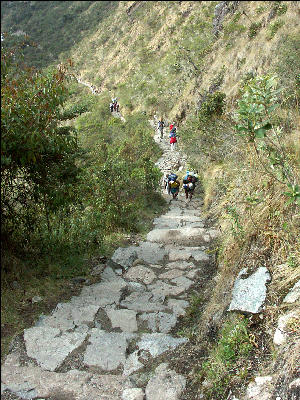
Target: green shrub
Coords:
[(226, 361), (273, 28), (254, 29)]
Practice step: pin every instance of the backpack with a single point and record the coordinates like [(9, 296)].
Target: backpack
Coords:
[(173, 130), (172, 177), (160, 124)]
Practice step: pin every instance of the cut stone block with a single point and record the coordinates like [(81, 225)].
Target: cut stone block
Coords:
[(107, 349), (124, 319), (165, 384), (141, 302), (125, 256), (49, 346), (151, 253), (140, 273), (177, 236), (249, 293), (159, 343)]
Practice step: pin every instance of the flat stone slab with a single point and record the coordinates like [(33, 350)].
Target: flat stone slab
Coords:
[(171, 274), (163, 289), (100, 294), (141, 302), (184, 265), (140, 273), (159, 343), (132, 364), (159, 322), (65, 316), (107, 349), (179, 236), (165, 384), (123, 319), (249, 292), (185, 253), (294, 294), (31, 382), (182, 282), (178, 306), (125, 256), (49, 346), (151, 253), (133, 394)]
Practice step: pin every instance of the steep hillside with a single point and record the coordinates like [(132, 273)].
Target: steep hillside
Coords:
[(228, 74)]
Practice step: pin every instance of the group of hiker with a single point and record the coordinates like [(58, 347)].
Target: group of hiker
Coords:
[(172, 184), (172, 134), (114, 105)]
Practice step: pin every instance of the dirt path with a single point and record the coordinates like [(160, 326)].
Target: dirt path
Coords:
[(114, 341)]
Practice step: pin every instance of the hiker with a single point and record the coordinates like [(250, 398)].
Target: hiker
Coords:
[(173, 140), (161, 125), (117, 107), (166, 184), (111, 107), (189, 184), (171, 126), (174, 188)]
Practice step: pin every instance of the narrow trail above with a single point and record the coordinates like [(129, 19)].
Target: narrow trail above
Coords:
[(114, 341)]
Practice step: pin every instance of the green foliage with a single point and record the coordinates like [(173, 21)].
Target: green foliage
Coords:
[(279, 8), (260, 10), (37, 156), (232, 28), (256, 123), (254, 29), (56, 26), (273, 28), (226, 362), (213, 105), (236, 227)]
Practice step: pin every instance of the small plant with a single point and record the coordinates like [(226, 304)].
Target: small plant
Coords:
[(236, 227), (260, 10), (273, 28), (227, 359), (279, 8), (256, 123), (254, 29)]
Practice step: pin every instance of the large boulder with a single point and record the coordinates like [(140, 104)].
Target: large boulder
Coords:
[(249, 292)]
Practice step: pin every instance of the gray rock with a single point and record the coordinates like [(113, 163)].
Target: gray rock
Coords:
[(133, 394), (261, 388), (132, 364), (178, 306), (124, 319), (165, 384), (36, 299), (65, 316), (182, 282), (141, 302), (160, 321), (161, 289), (107, 350), (294, 294), (178, 236), (140, 273), (136, 287), (31, 382), (281, 333), (159, 343), (125, 256), (249, 293), (151, 253), (98, 269), (171, 274), (185, 265), (49, 346)]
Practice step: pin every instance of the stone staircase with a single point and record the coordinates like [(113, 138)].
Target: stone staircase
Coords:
[(115, 339)]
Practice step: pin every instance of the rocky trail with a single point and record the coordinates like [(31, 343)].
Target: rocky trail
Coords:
[(115, 340)]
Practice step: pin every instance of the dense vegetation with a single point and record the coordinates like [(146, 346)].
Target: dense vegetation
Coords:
[(235, 98)]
